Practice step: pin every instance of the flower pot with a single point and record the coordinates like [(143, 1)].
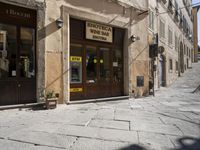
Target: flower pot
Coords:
[(51, 103)]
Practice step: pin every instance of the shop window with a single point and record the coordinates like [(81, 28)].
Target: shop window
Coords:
[(8, 46), (27, 53), (118, 37), (76, 63), (104, 64), (91, 64), (77, 29), (117, 66)]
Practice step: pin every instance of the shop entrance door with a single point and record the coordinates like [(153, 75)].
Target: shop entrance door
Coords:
[(95, 72), (17, 65), (98, 72)]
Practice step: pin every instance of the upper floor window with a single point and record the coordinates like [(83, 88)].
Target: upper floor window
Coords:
[(176, 65), (170, 37), (151, 19), (162, 29), (170, 65), (176, 43)]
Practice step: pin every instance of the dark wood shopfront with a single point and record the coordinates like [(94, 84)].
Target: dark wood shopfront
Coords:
[(96, 67), (17, 55)]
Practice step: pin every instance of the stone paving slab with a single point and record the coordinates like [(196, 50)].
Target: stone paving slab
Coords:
[(155, 141), (105, 113), (187, 130), (174, 121), (14, 145), (43, 139), (139, 119), (112, 124), (156, 128), (99, 133), (91, 144)]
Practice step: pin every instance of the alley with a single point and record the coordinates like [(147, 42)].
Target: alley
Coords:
[(170, 120)]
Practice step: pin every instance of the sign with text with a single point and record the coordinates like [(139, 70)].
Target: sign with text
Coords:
[(98, 32), (75, 59)]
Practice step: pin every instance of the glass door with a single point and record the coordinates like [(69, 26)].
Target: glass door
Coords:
[(76, 72), (8, 59), (26, 65), (17, 65)]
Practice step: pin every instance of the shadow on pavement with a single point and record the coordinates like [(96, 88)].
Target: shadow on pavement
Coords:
[(188, 143), (133, 147)]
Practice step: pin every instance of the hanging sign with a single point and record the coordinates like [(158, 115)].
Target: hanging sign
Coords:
[(98, 32)]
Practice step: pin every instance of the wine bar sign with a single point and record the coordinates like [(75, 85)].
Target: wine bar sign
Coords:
[(98, 32)]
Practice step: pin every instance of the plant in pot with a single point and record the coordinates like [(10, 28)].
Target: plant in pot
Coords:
[(51, 100)]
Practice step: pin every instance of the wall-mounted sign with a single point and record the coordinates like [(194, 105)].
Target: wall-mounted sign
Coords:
[(17, 15), (98, 32), (76, 89), (75, 59)]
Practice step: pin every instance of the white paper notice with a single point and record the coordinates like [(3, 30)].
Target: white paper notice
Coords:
[(13, 73), (115, 64)]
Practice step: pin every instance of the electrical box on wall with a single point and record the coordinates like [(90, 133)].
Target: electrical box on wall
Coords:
[(140, 81)]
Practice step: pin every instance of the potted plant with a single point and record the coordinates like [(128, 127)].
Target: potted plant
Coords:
[(51, 100)]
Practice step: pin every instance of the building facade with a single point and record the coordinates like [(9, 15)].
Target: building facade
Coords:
[(80, 50), (91, 49), (195, 29), (171, 20)]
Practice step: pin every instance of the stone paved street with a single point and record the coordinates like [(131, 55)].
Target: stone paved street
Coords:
[(170, 120)]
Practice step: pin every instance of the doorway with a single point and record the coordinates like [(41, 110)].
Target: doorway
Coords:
[(96, 71), (17, 65), (162, 72)]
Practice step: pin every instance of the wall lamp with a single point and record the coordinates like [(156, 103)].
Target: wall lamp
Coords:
[(59, 23), (134, 38)]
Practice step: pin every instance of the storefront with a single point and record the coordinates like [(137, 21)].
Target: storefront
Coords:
[(96, 60), (17, 55)]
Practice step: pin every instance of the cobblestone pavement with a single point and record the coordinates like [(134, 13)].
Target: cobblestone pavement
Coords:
[(170, 120)]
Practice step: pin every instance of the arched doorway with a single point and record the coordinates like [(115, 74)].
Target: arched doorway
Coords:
[(162, 70)]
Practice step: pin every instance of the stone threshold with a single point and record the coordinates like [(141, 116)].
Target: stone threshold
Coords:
[(99, 100), (19, 106)]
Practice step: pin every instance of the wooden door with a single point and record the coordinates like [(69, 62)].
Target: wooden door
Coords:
[(17, 65)]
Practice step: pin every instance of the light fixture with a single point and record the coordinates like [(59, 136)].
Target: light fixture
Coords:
[(134, 38), (59, 23)]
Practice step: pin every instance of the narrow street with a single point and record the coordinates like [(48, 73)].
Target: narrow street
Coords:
[(170, 120)]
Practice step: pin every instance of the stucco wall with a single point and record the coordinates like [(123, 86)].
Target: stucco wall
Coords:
[(170, 51), (102, 11)]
